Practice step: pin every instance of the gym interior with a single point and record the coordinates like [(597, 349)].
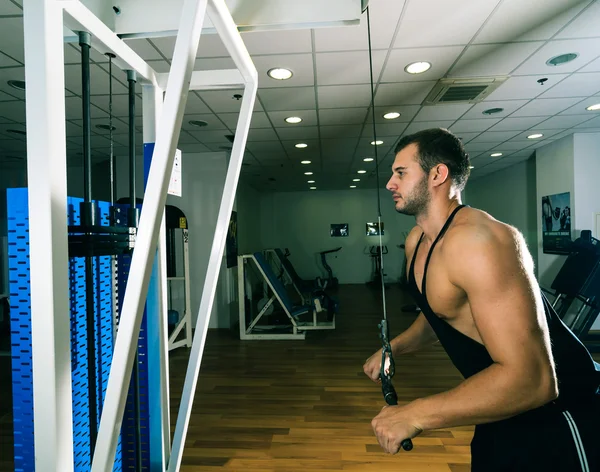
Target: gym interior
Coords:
[(253, 177)]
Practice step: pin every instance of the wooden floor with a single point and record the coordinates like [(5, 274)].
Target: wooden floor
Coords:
[(306, 405)]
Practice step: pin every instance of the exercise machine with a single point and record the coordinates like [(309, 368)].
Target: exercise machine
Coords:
[(331, 281), (576, 289), (376, 253)]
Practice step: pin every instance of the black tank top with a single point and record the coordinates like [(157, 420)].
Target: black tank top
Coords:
[(578, 375)]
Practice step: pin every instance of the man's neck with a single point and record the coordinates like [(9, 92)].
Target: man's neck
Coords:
[(436, 216)]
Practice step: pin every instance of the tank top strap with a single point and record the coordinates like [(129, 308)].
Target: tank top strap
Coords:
[(439, 236)]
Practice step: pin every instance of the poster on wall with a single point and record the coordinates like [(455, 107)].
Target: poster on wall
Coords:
[(339, 230), (231, 243), (556, 223), (373, 229)]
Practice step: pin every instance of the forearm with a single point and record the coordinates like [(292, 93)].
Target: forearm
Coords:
[(417, 336), (491, 395)]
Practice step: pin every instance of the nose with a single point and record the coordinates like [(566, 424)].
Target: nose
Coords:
[(390, 185)]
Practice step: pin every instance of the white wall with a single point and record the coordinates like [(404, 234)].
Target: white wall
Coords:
[(516, 207), (301, 222), (555, 174), (586, 175)]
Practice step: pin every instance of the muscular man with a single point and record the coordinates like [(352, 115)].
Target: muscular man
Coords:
[(531, 388)]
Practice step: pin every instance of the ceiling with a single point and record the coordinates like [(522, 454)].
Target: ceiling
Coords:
[(330, 89)]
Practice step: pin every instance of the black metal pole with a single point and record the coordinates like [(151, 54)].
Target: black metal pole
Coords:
[(133, 213), (113, 164), (133, 223), (88, 217)]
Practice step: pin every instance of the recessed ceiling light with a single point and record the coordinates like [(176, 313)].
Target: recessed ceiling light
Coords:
[(496, 154), (293, 120), (352, 186), (301, 145), (491, 111), (362, 171), (418, 67), (18, 84), (355, 180), (198, 123), (280, 73), (376, 143), (310, 181), (595, 107), (368, 159), (308, 173), (535, 136), (313, 188), (471, 167), (304, 162), (106, 127), (562, 59), (392, 115)]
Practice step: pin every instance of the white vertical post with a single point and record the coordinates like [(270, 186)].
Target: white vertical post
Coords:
[(188, 302), (47, 183), (158, 352), (212, 276), (186, 47)]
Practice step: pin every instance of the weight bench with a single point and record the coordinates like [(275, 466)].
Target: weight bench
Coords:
[(302, 317)]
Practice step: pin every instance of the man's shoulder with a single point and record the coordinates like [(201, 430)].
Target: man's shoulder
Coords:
[(474, 229)]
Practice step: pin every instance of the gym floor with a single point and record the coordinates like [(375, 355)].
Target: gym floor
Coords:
[(298, 405)]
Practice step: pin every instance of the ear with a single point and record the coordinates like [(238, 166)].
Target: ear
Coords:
[(439, 175)]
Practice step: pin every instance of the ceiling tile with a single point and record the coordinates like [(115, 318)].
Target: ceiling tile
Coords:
[(442, 112), (386, 129), (214, 63), (6, 61), (478, 147), (144, 49), (258, 147), (473, 125), (341, 131), (187, 138), (465, 137), (350, 67), (488, 60), (210, 45), (304, 132), (333, 146), (301, 66), (384, 18), (539, 21), (342, 116), (517, 88), (414, 126), (593, 66), (494, 137), (593, 123), (405, 93), (296, 98), (99, 80), (213, 123), (218, 100), (259, 120), (508, 105), (563, 121), (518, 124), (12, 31), (309, 118), (441, 58), (15, 110), (278, 42), (74, 109), (216, 136), (289, 146), (547, 133), (192, 148), (469, 14), (585, 25), (407, 113), (545, 107), (577, 85), (344, 96), (513, 146), (262, 134), (586, 48), (120, 105), (580, 107)]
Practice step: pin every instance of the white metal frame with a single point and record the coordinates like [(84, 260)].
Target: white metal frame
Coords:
[(247, 333), (46, 144), (186, 320)]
